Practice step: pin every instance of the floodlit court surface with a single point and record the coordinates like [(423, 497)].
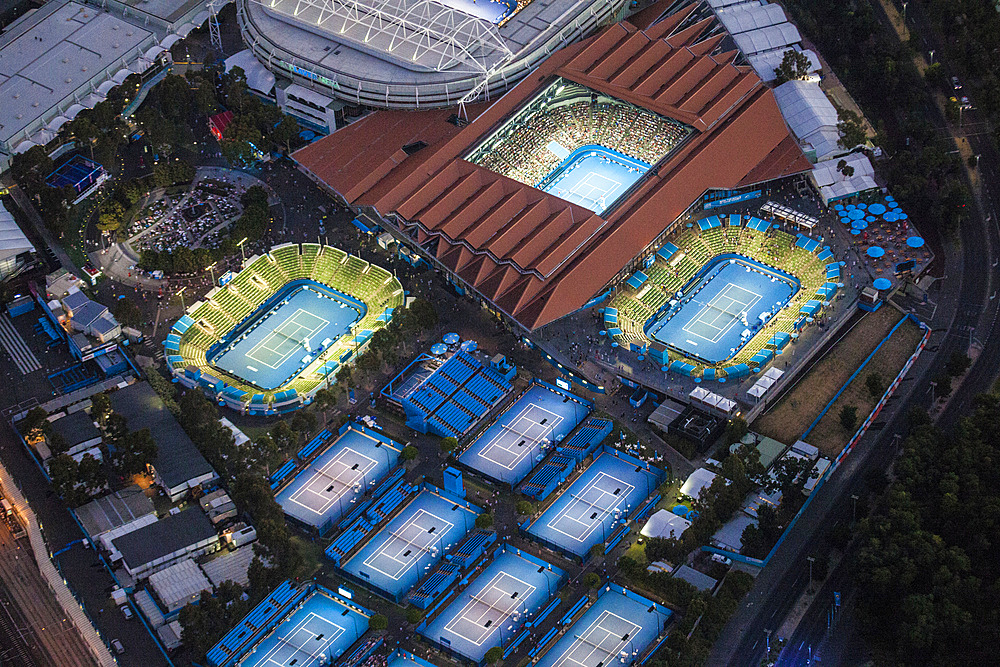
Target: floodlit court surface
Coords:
[(593, 177), (589, 510), (493, 11), (510, 448), (327, 488), (415, 540), (616, 630), (317, 633), (281, 340), (712, 318), (494, 606)]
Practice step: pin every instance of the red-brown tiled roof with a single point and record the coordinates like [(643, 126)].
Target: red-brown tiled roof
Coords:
[(534, 255)]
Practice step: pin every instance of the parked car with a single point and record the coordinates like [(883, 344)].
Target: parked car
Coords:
[(127, 611), (955, 83), (117, 645)]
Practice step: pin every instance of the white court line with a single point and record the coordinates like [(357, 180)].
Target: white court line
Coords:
[(589, 506), (488, 606), (321, 481), (399, 540), (700, 318), (282, 643), (277, 331), (586, 641), (511, 439)]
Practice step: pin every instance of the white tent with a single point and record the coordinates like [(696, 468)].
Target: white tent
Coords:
[(765, 62), (698, 394), (756, 391), (810, 115), (13, 242), (696, 481), (741, 18), (767, 39), (259, 78), (774, 373), (833, 184), (665, 524)]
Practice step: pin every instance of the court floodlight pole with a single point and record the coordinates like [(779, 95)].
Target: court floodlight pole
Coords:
[(211, 271), (242, 252)]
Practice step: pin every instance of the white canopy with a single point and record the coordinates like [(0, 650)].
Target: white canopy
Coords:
[(665, 524), (698, 394), (810, 115), (12, 240), (774, 373), (756, 391), (696, 481)]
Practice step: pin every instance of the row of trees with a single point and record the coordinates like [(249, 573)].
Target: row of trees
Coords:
[(925, 569), (924, 175)]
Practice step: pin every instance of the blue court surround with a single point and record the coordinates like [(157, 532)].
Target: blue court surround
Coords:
[(398, 556), (597, 637), (594, 177), (462, 626), (321, 615), (306, 497), (260, 354), (499, 453), (696, 327), (584, 515)]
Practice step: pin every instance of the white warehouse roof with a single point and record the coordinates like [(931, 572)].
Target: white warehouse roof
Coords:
[(810, 115), (12, 240), (179, 584), (766, 62), (741, 18), (832, 184), (766, 39)]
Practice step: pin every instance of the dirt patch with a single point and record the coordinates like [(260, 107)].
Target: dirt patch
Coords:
[(788, 418)]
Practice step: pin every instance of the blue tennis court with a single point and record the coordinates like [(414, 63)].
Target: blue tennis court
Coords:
[(617, 629), (511, 446), (316, 633), (286, 336), (592, 176), (329, 485), (416, 539), (595, 503), (490, 612), (729, 302)]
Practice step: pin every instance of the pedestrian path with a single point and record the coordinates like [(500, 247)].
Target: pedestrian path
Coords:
[(11, 340)]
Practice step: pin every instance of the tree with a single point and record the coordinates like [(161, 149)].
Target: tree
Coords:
[(65, 475), (35, 424), (494, 656), (957, 364), (597, 550), (409, 453), (284, 437), (413, 615), (127, 313), (591, 580), (134, 453), (424, 314), (736, 428), (851, 128), (448, 444), (484, 520), (848, 417), (875, 385), (795, 66), (325, 400), (378, 622), (285, 132), (524, 508), (100, 408), (91, 474)]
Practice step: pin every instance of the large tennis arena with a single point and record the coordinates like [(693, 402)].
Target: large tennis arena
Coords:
[(279, 329)]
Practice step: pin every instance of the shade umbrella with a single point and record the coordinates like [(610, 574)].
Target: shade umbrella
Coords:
[(469, 345), (851, 207), (438, 348), (876, 209), (855, 232), (882, 283), (902, 216), (862, 206), (857, 214), (838, 207), (870, 218), (451, 338), (915, 242), (859, 224), (875, 251), (890, 217)]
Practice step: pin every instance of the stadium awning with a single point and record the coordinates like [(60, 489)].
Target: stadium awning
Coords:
[(637, 280)]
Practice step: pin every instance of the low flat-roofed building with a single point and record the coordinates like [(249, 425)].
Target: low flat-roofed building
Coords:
[(180, 584), (114, 511), (178, 465), (161, 544), (78, 432)]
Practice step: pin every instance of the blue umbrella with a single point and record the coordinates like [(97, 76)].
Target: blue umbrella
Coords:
[(876, 209), (851, 207), (890, 198), (890, 217), (857, 214), (859, 224), (451, 338), (855, 232), (438, 348), (903, 216), (469, 345), (838, 207), (897, 210), (862, 206), (915, 242), (882, 283), (697, 379), (664, 368), (689, 225), (775, 226), (870, 218), (875, 251)]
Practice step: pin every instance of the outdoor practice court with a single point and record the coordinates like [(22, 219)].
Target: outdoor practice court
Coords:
[(315, 634), (400, 554), (593, 177), (326, 488), (509, 448), (510, 588), (710, 325), (616, 627), (586, 513), (271, 351)]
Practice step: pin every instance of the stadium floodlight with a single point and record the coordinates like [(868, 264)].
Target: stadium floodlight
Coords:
[(210, 268), (240, 246)]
